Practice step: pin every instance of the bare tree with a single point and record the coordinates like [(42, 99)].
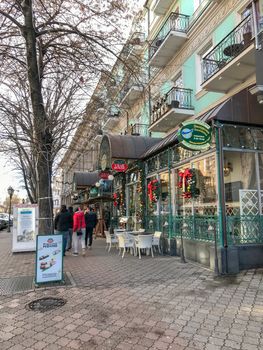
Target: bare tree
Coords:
[(51, 55)]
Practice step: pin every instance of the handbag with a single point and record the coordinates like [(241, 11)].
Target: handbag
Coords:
[(79, 233)]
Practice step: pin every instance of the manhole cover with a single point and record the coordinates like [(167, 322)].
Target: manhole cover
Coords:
[(46, 304)]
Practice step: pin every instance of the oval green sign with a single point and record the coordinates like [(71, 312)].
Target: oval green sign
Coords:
[(195, 135)]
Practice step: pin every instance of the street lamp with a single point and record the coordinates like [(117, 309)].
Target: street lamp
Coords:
[(10, 192)]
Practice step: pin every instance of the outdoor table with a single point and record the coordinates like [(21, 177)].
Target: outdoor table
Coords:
[(233, 49)]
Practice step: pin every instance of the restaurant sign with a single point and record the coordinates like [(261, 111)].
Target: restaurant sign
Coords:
[(194, 135), (119, 165), (104, 175)]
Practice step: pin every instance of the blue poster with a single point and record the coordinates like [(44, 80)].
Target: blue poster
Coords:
[(49, 258)]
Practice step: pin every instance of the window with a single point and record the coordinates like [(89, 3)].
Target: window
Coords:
[(197, 3), (199, 66)]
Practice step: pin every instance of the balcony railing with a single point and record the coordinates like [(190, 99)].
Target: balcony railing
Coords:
[(229, 48), (175, 22), (139, 129), (175, 98), (127, 88)]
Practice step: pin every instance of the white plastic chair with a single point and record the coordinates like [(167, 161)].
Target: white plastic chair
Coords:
[(144, 242), (125, 242), (110, 239), (156, 240)]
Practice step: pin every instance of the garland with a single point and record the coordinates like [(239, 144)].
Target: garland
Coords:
[(187, 182), (153, 191), (118, 202)]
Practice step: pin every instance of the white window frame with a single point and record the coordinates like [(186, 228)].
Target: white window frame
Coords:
[(198, 63)]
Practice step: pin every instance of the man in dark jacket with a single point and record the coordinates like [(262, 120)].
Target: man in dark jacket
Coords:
[(62, 224), (91, 222)]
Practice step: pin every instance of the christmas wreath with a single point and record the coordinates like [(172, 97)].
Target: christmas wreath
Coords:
[(187, 182), (153, 190)]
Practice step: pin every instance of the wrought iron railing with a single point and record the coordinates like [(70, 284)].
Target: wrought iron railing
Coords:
[(245, 229), (175, 22), (228, 48), (175, 98), (241, 229), (127, 88), (140, 129), (198, 228)]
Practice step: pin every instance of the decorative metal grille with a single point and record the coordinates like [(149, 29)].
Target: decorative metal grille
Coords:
[(175, 22), (175, 98), (229, 48), (244, 229), (140, 129)]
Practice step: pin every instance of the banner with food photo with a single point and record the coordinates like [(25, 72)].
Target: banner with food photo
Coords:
[(49, 258)]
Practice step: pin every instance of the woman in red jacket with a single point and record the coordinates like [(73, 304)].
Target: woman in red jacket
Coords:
[(79, 229)]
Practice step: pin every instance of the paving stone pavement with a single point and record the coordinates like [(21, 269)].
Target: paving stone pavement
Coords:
[(146, 304)]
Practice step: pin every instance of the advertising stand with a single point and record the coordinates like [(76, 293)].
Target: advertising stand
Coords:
[(25, 227), (49, 259)]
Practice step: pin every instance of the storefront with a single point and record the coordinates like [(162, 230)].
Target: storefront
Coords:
[(119, 156), (216, 192)]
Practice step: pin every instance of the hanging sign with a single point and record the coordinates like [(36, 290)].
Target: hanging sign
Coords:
[(25, 227), (195, 135), (49, 258), (119, 165), (104, 175)]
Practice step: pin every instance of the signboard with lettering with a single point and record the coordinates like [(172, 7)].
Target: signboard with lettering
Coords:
[(49, 258), (119, 165), (25, 227), (104, 175), (195, 135)]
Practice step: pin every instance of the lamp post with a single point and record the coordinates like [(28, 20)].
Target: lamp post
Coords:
[(10, 192)]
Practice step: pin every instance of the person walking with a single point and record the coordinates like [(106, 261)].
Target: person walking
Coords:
[(78, 236), (69, 245), (62, 225), (91, 222)]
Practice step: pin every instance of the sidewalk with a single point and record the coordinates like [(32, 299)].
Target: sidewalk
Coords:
[(132, 304)]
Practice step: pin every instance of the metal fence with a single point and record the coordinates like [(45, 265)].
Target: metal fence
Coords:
[(174, 98), (245, 229), (175, 22), (228, 48)]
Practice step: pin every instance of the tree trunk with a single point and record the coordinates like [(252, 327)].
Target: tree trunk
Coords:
[(43, 138)]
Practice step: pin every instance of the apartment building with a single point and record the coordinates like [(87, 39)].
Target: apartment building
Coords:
[(181, 130)]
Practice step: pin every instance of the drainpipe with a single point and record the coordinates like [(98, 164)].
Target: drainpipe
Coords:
[(221, 191)]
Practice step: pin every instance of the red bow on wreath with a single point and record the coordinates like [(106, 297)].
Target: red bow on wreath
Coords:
[(115, 198), (185, 182), (152, 187)]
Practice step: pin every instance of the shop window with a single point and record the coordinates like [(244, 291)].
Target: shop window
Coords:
[(241, 193), (242, 137), (152, 164), (205, 201), (153, 195), (164, 193), (163, 160)]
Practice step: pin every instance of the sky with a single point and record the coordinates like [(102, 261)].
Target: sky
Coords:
[(9, 178)]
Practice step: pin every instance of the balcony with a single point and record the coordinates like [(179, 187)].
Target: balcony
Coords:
[(172, 109), (161, 6), (138, 129), (232, 61), (111, 121), (130, 94), (136, 44), (170, 38)]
